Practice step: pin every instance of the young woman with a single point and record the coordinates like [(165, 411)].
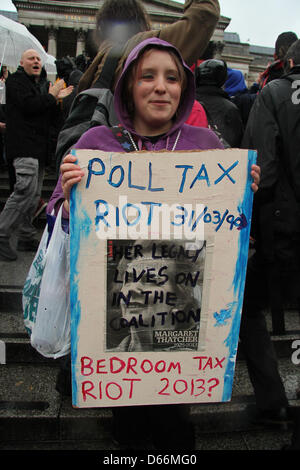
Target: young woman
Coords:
[(153, 98)]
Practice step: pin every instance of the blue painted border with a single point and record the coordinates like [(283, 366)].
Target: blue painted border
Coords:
[(78, 214), (78, 218), (238, 284)]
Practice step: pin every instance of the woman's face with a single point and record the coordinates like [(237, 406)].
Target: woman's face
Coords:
[(156, 92)]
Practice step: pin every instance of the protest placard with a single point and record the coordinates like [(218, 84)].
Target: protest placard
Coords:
[(159, 246)]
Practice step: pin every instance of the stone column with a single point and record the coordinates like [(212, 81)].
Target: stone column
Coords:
[(219, 49), (52, 42), (80, 46)]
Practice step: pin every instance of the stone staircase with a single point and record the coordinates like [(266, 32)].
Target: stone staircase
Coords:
[(34, 416)]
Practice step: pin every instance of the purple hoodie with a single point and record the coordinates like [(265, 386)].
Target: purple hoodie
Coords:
[(180, 137)]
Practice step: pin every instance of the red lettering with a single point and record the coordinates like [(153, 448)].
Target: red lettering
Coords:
[(118, 387), (200, 387), (130, 366), (87, 365), (121, 367), (131, 385), (110, 248), (217, 381), (174, 366), (163, 368), (143, 366), (208, 363), (86, 388), (99, 366), (110, 390), (200, 361), (219, 362), (185, 386), (163, 392)]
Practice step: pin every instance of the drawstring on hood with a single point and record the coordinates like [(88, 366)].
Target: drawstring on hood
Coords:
[(140, 143), (186, 102)]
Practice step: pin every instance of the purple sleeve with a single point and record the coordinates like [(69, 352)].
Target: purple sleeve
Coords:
[(57, 198), (215, 142)]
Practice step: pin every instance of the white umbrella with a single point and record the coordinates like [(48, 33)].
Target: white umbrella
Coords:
[(15, 39)]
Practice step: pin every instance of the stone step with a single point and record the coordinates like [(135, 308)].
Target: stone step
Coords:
[(102, 449), (49, 178), (32, 411), (18, 348), (17, 343), (49, 184), (47, 190)]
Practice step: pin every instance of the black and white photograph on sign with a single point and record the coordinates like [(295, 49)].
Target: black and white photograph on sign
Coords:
[(154, 294)]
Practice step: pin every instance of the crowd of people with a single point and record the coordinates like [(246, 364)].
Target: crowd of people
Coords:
[(207, 108)]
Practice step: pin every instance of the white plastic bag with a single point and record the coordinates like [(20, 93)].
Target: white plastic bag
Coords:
[(51, 334), (31, 289)]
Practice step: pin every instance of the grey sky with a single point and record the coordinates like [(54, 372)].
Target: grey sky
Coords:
[(258, 22)]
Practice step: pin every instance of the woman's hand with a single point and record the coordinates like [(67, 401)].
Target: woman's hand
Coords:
[(255, 173), (71, 174)]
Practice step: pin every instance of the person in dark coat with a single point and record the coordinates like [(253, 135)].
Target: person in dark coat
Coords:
[(240, 95), (71, 74), (210, 77), (276, 69), (28, 111), (274, 269)]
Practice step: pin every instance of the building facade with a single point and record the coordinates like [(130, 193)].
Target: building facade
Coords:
[(66, 28)]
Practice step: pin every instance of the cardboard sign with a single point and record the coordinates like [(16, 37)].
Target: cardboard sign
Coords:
[(159, 248)]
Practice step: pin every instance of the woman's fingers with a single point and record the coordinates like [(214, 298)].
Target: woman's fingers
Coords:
[(71, 174), (255, 173)]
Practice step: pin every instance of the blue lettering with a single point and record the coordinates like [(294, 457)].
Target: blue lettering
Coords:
[(94, 172), (150, 180), (199, 218), (182, 216), (101, 215), (186, 168), (116, 185), (131, 224), (199, 176), (130, 185), (222, 220), (226, 173), (150, 210)]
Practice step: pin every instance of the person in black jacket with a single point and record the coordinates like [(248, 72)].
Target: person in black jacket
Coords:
[(274, 131), (276, 69), (29, 110), (210, 77)]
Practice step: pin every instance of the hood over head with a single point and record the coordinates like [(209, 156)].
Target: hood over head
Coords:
[(187, 98), (235, 82)]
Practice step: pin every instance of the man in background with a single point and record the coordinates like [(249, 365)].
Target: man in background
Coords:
[(30, 109)]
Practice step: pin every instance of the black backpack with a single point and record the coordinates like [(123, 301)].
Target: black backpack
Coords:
[(213, 127), (90, 108)]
